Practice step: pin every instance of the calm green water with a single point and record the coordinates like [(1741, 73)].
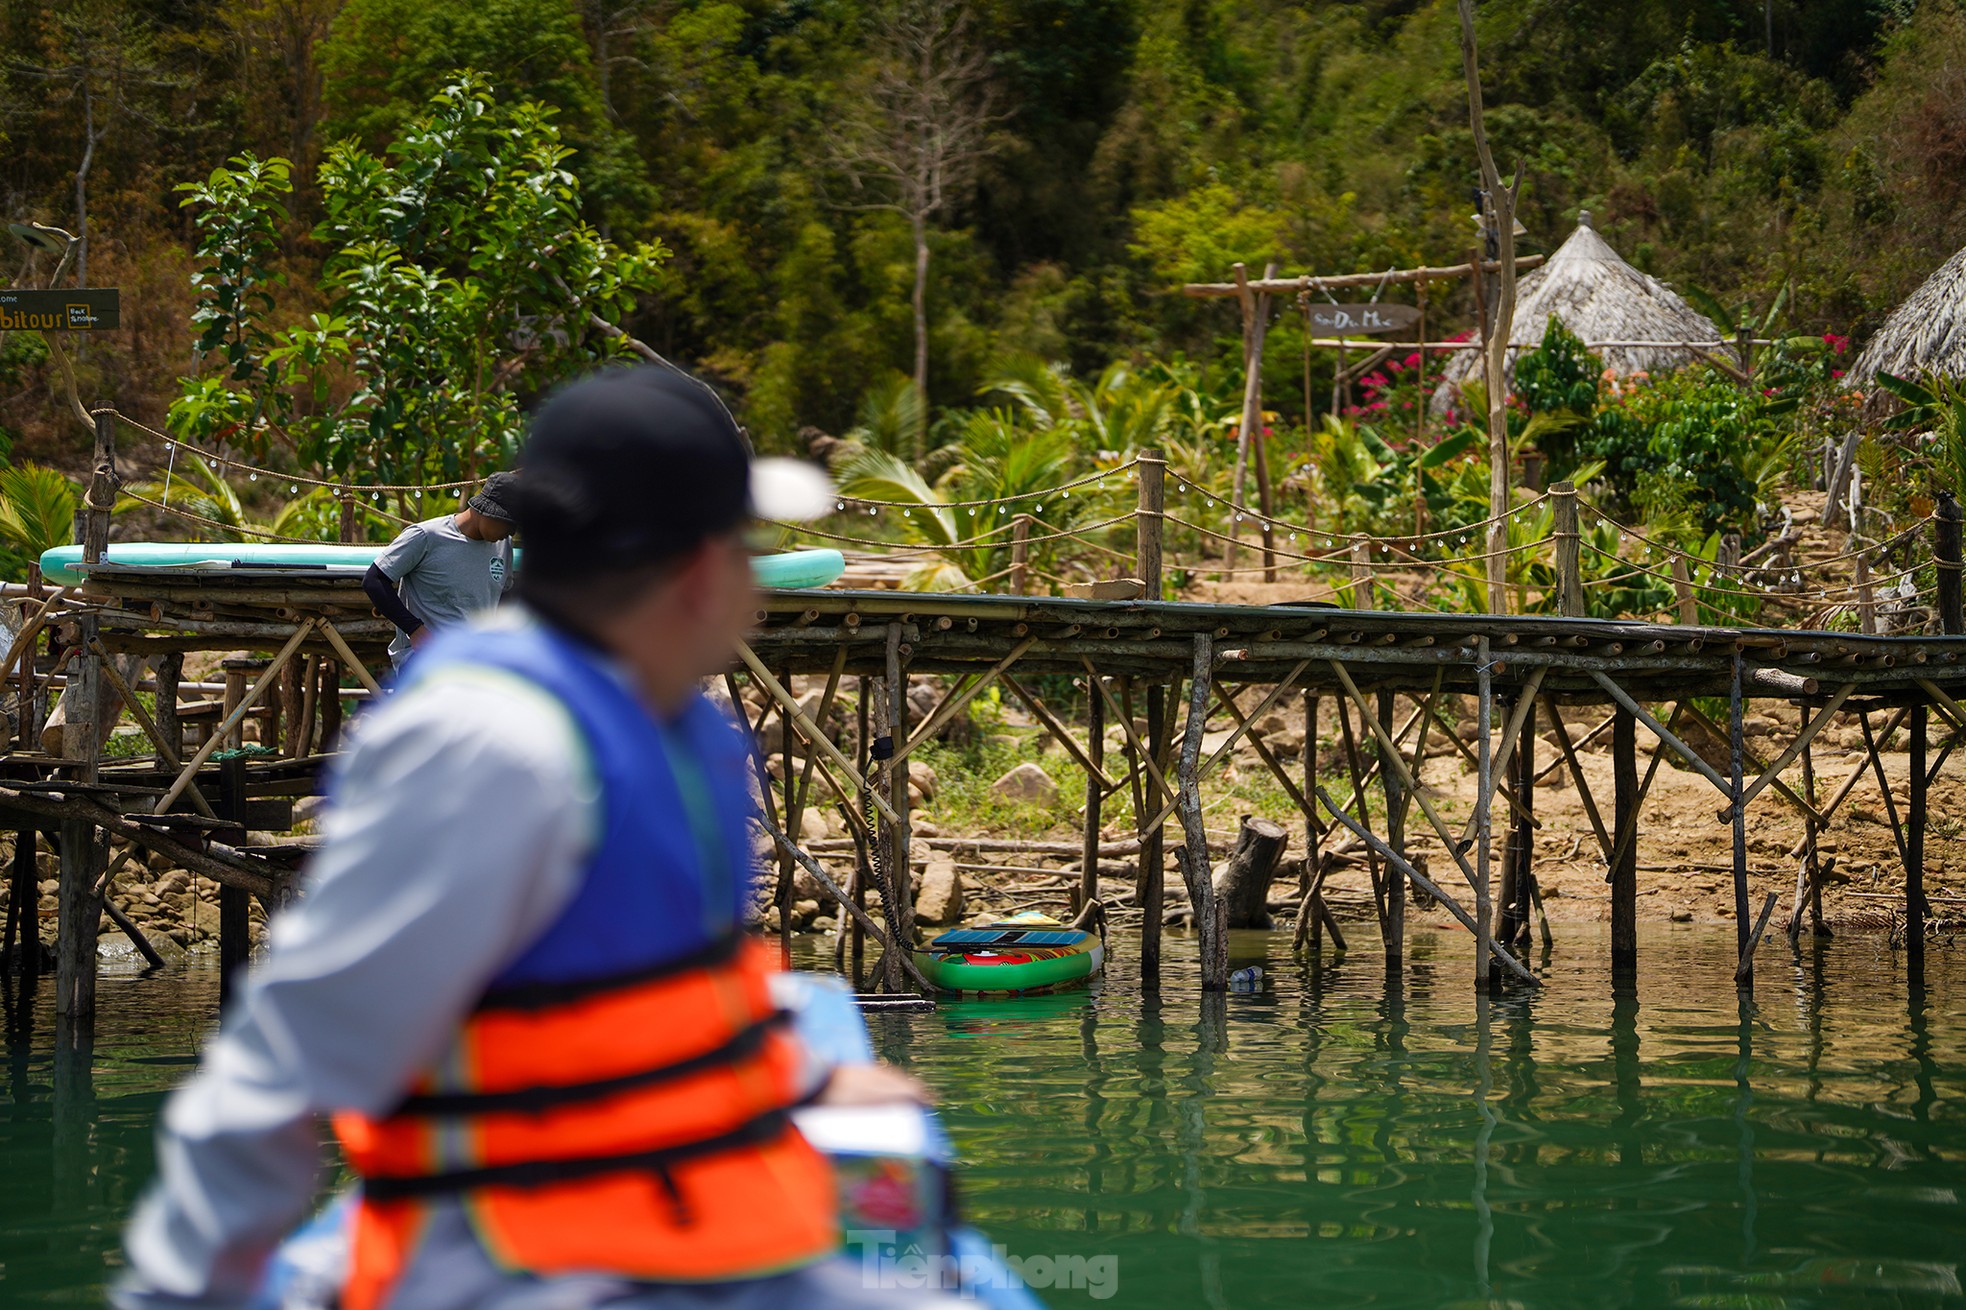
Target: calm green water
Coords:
[(1323, 1141)]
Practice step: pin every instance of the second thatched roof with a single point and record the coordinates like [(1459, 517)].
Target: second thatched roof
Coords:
[(1927, 332), (1601, 298)]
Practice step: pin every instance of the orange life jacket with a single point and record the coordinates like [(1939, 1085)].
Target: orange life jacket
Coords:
[(636, 1126)]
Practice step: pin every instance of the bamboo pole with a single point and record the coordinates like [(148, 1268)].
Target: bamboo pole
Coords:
[(1309, 282), (1095, 731)]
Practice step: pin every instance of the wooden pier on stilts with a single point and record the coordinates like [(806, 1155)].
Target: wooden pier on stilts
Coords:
[(1167, 675)]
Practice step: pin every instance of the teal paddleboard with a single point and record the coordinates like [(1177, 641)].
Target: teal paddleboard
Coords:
[(791, 571)]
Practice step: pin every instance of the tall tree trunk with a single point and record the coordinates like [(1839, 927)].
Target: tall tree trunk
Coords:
[(1500, 211), (82, 183), (918, 221)]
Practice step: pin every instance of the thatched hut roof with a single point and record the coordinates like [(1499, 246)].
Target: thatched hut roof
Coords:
[(1928, 331), (1599, 297)]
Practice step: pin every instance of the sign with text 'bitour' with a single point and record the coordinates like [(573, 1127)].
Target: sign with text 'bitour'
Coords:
[(95, 309)]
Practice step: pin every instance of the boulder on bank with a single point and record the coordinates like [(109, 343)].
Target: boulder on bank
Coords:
[(1027, 782), (940, 900)]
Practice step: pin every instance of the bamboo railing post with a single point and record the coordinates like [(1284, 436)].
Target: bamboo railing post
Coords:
[(1246, 301), (1946, 555), (1095, 732), (1253, 426), (1569, 561), (1020, 555), (1361, 573), (1866, 596), (1149, 520)]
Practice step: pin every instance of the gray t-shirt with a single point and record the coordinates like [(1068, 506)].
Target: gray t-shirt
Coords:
[(443, 576)]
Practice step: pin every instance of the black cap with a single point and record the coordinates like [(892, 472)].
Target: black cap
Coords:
[(494, 499), (624, 467), (634, 465)]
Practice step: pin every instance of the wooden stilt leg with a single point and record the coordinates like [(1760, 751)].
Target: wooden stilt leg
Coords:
[(1623, 873), (1915, 907)]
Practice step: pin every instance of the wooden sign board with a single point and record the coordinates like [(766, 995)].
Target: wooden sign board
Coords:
[(1365, 319), (96, 309)]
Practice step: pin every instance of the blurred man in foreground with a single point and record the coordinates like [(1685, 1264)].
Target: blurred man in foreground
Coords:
[(519, 982)]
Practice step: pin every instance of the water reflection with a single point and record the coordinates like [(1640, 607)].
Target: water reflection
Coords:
[(1325, 1138)]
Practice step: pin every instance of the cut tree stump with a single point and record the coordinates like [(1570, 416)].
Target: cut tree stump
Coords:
[(1242, 884)]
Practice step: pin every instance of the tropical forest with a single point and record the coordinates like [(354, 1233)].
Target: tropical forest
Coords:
[(941, 246)]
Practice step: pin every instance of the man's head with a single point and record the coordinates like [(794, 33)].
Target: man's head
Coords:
[(490, 510), (636, 488)]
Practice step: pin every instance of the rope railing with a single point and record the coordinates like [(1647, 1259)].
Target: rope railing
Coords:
[(1790, 584)]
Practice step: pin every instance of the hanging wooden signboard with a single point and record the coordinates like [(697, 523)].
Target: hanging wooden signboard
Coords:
[(95, 309), (1367, 319)]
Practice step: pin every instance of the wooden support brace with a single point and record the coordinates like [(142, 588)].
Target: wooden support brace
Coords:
[(347, 656), (867, 924), (1577, 776), (808, 729), (1385, 852), (1664, 734), (1781, 788), (1744, 971), (238, 715), (1263, 752), (1059, 732), (1438, 824), (165, 751), (1787, 757), (953, 704), (1222, 753)]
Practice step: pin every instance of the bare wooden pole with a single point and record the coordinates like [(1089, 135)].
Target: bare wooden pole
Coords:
[(1499, 217), (1095, 795), (902, 872), (1484, 815), (1194, 866), (1390, 783), (1149, 519), (1153, 867), (1915, 907), (1251, 403), (1623, 872), (1740, 817)]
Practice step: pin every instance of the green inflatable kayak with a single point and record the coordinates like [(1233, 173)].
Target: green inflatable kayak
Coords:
[(1024, 955), (792, 571)]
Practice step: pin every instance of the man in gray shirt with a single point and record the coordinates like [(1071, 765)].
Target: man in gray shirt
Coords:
[(443, 570)]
